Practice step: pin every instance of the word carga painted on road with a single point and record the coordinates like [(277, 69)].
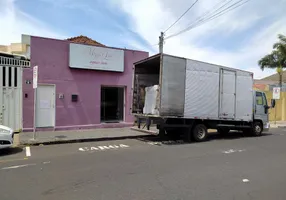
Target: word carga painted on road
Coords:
[(103, 147)]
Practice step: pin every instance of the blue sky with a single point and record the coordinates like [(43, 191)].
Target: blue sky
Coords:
[(103, 23), (237, 39)]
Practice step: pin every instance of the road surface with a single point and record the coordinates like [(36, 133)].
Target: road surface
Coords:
[(227, 168)]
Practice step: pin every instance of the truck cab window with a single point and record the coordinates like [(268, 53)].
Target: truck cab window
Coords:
[(259, 98)]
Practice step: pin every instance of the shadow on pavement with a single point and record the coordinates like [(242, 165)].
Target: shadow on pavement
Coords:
[(10, 151), (156, 140)]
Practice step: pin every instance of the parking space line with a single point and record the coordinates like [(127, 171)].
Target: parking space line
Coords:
[(17, 166), (10, 160), (28, 151)]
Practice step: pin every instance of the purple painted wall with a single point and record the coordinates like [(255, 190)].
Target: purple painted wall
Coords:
[(52, 58)]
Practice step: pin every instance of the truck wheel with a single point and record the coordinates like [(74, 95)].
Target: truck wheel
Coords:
[(200, 132), (257, 129)]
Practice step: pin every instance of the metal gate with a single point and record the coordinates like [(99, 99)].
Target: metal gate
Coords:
[(11, 91)]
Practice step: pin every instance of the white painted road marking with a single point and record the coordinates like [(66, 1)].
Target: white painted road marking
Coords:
[(28, 151), (17, 166), (47, 162), (103, 148), (245, 180), (233, 151)]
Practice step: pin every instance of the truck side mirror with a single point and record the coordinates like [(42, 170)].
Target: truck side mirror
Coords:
[(273, 102)]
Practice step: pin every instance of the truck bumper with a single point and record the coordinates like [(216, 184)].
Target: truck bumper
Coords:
[(266, 127)]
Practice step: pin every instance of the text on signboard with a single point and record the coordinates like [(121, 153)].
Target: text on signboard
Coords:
[(102, 55)]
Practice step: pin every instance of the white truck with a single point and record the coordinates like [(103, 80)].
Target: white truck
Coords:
[(184, 96)]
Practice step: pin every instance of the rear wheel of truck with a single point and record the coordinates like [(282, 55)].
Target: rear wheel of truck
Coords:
[(257, 129), (200, 133)]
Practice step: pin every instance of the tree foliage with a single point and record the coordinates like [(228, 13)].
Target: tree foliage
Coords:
[(277, 58)]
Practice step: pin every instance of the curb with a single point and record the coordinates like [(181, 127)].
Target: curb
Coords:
[(37, 143), (278, 126)]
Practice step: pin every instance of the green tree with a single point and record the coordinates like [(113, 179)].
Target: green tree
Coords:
[(276, 59)]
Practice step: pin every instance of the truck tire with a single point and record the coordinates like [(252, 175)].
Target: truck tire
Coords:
[(223, 131), (257, 129), (200, 133)]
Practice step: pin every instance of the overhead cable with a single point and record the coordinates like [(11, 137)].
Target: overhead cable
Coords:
[(181, 16), (202, 20)]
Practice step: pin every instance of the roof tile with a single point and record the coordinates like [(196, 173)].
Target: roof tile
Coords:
[(85, 40)]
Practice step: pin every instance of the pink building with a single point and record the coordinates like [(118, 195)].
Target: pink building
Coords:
[(79, 85)]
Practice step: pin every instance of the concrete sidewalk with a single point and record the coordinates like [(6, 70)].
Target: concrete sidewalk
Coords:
[(55, 137), (278, 124)]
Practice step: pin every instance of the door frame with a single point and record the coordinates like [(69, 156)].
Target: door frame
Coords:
[(264, 117), (35, 104), (124, 87)]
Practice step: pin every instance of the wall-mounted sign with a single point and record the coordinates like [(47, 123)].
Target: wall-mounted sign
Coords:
[(35, 77), (276, 93), (97, 58)]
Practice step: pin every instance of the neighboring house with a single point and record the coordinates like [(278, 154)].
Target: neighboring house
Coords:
[(85, 40), (81, 84), (267, 84), (15, 48), (275, 77), (271, 81)]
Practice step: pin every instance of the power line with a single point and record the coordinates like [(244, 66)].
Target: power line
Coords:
[(209, 12), (181, 16), (202, 20), (213, 10), (209, 18)]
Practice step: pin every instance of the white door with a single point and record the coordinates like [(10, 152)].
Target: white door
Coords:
[(45, 106), (228, 90)]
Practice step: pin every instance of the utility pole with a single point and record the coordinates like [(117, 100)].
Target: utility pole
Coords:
[(161, 42)]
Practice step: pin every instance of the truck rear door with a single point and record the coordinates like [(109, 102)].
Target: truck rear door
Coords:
[(227, 94)]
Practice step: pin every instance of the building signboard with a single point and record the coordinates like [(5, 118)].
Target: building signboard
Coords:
[(96, 58)]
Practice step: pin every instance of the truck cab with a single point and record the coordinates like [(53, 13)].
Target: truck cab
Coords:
[(261, 111)]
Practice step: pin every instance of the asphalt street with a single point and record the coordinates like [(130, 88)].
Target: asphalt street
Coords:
[(227, 168)]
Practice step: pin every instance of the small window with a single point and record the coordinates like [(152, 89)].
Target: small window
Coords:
[(265, 99), (259, 98)]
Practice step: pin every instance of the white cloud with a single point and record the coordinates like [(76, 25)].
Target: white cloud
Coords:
[(14, 22), (150, 17)]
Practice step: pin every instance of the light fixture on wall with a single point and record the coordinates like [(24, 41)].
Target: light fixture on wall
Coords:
[(61, 96)]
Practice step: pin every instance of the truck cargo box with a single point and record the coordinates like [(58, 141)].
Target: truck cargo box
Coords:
[(170, 86)]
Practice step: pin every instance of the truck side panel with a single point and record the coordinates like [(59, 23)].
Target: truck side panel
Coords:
[(244, 96), (202, 90), (173, 86), (228, 94)]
